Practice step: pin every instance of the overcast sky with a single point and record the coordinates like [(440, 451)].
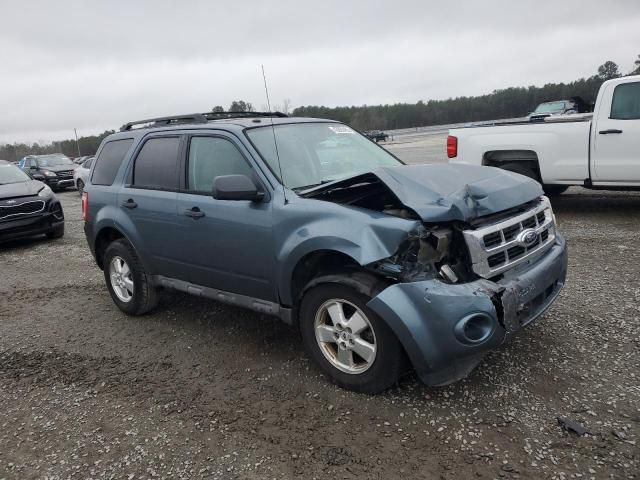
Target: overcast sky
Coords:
[(94, 65)]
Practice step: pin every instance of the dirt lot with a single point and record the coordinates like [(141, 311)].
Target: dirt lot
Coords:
[(201, 390)]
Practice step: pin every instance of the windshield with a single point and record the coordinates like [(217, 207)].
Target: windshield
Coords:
[(54, 161), (11, 174), (550, 107), (315, 153)]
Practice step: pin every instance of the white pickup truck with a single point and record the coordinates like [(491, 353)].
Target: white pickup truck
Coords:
[(599, 150)]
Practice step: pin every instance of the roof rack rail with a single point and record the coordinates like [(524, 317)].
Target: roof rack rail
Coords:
[(197, 118), (245, 114), (190, 118)]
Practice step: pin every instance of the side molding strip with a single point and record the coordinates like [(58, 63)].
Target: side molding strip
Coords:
[(251, 303)]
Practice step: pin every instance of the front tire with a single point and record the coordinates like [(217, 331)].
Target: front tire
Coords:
[(352, 345), (128, 283)]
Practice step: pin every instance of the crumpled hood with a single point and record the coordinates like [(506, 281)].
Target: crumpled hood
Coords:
[(446, 192), (458, 191), (20, 189)]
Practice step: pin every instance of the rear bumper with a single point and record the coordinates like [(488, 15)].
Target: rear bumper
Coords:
[(91, 240), (429, 317)]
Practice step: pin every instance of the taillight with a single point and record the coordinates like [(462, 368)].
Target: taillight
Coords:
[(452, 146), (85, 206)]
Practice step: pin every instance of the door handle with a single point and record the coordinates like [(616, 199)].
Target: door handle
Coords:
[(129, 204), (194, 212), (611, 130)]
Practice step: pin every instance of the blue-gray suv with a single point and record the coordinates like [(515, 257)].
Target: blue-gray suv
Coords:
[(380, 265)]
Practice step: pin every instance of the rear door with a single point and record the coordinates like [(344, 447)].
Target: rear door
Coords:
[(230, 243), (149, 202), (616, 135)]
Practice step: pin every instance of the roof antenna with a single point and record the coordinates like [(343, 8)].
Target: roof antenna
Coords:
[(275, 142)]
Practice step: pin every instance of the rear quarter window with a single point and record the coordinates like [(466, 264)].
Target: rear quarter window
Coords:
[(109, 161)]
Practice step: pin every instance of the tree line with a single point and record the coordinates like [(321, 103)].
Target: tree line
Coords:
[(505, 103), (500, 104)]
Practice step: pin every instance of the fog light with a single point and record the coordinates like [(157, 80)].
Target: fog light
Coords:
[(475, 328)]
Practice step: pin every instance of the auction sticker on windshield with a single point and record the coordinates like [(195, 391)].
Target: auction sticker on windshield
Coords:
[(341, 129)]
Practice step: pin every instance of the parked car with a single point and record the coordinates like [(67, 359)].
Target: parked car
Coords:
[(558, 107), (81, 174), (80, 160), (377, 135), (56, 170), (27, 207), (370, 258), (597, 151)]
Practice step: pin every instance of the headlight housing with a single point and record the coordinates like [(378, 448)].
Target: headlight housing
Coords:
[(45, 192), (48, 173)]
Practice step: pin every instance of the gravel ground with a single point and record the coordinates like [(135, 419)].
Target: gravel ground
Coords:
[(201, 390)]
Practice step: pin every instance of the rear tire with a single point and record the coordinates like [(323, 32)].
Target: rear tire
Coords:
[(359, 352), (522, 169), (553, 190), (129, 286), (80, 186)]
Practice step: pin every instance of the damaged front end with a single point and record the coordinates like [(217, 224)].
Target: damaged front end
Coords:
[(428, 252), (445, 315), (474, 269)]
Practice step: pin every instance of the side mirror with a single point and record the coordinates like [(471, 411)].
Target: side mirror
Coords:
[(235, 187)]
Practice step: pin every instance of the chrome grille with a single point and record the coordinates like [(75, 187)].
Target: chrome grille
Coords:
[(24, 208), (500, 246)]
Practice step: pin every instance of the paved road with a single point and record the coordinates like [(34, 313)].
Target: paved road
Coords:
[(419, 147)]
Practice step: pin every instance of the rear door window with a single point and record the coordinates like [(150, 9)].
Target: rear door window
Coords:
[(156, 166), (109, 161), (626, 102)]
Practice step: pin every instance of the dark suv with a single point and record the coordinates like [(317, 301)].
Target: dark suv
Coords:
[(376, 262), (56, 170), (27, 206)]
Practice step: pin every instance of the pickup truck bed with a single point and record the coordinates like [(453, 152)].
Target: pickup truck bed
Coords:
[(599, 150)]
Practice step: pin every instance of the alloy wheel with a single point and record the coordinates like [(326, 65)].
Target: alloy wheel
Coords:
[(121, 279), (345, 336)]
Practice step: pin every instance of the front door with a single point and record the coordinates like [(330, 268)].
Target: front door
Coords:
[(230, 243), (616, 135)]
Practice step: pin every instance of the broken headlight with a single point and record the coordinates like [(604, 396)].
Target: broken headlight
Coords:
[(425, 254)]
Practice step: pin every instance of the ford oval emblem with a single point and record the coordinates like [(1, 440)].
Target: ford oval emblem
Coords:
[(527, 237)]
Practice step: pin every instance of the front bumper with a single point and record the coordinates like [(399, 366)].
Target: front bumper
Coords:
[(426, 315), (58, 182), (29, 226)]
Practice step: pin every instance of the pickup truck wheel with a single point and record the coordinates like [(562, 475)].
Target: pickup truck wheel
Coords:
[(348, 341), (522, 169), (553, 190), (128, 283)]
